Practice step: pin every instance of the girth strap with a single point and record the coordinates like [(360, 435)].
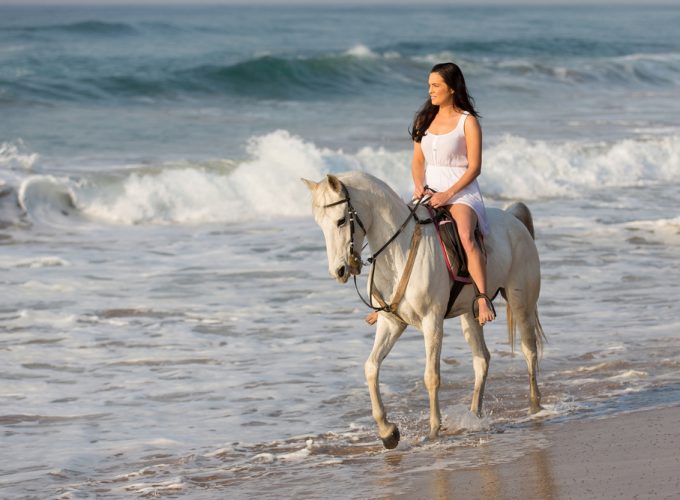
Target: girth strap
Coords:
[(405, 276)]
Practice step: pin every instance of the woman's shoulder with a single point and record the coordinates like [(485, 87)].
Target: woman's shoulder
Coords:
[(471, 127), (470, 120)]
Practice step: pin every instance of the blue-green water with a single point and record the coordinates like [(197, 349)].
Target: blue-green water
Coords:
[(168, 325), (121, 83)]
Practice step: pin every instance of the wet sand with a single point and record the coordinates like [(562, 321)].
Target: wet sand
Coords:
[(627, 456)]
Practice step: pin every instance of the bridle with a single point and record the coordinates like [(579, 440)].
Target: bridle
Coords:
[(355, 258), (351, 216)]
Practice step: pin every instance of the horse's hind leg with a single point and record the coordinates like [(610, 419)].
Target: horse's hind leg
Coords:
[(528, 331), (387, 333), (474, 335)]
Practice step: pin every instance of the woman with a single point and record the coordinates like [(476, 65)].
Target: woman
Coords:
[(447, 158)]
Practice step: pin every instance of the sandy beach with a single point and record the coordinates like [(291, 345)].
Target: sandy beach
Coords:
[(625, 456)]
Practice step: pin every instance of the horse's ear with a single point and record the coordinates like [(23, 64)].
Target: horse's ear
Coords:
[(335, 183), (311, 185)]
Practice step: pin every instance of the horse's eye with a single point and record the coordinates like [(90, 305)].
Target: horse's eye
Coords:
[(341, 222)]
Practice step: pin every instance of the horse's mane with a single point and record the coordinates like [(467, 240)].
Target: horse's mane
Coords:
[(371, 185)]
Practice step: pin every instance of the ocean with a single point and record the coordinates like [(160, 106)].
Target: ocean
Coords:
[(168, 325)]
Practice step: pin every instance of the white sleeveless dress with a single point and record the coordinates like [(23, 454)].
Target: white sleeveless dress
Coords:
[(446, 161)]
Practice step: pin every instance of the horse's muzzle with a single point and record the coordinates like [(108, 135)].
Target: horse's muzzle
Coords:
[(352, 268), (342, 274)]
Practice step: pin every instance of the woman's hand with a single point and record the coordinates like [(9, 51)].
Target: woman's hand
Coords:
[(418, 192), (440, 199)]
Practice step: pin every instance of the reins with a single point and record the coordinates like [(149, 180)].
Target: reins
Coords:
[(457, 281), (352, 215)]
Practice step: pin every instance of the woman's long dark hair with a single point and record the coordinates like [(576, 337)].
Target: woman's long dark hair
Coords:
[(453, 77)]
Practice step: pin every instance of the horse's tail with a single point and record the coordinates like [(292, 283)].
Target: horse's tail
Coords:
[(538, 330), (522, 212)]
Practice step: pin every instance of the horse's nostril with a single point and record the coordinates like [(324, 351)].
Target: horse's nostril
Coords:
[(341, 271)]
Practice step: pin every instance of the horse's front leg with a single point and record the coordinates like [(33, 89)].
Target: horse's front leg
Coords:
[(387, 333), (474, 335), (433, 331)]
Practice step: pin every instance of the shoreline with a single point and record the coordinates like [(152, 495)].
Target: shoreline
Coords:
[(633, 455)]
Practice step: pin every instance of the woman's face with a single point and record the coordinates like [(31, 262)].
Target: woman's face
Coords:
[(440, 93)]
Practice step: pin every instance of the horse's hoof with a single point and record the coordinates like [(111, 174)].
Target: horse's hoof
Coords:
[(433, 436), (390, 442), (535, 408)]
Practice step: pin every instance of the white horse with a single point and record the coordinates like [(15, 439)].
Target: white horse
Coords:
[(376, 212)]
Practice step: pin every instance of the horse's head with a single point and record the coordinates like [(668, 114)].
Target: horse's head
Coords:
[(342, 228)]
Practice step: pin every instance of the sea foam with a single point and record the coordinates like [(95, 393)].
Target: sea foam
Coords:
[(267, 183), (15, 155)]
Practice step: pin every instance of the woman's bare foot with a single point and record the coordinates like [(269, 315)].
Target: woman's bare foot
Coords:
[(371, 318), (486, 311)]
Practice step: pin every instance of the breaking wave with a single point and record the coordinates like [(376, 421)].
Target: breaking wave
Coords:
[(267, 183)]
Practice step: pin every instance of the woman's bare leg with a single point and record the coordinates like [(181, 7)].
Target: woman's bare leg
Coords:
[(466, 220)]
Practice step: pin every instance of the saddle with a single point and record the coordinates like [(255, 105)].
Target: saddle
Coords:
[(452, 248), (453, 251)]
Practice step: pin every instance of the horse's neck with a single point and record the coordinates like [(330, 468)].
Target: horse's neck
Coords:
[(387, 218)]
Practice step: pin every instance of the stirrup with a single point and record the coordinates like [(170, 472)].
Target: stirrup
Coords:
[(474, 303)]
